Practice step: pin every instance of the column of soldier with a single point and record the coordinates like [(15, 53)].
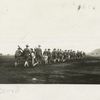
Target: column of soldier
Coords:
[(60, 56), (47, 56)]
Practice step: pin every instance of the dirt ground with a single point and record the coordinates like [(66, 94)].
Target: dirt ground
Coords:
[(85, 71)]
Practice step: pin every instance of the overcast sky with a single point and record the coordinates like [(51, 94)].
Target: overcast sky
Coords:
[(50, 23)]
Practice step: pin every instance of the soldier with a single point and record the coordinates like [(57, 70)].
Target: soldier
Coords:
[(78, 54), (45, 52), (39, 56), (49, 56), (27, 56), (54, 55), (33, 56), (18, 54), (45, 56), (83, 54), (68, 52), (58, 55), (71, 55), (74, 55), (61, 55), (65, 56)]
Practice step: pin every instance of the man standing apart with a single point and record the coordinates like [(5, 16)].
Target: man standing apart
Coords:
[(18, 54)]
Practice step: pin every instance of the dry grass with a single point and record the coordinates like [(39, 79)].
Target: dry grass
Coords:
[(85, 71)]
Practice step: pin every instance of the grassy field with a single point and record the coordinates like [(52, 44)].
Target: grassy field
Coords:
[(85, 71)]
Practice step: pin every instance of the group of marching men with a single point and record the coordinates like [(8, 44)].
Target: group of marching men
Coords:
[(36, 56)]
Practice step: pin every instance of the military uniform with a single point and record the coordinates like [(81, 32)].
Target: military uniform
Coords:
[(27, 54), (45, 56), (39, 56), (33, 56), (49, 56), (18, 55), (54, 55)]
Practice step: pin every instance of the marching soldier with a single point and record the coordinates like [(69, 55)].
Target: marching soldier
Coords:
[(83, 54), (65, 56), (61, 55), (39, 54), (18, 54), (58, 55), (45, 52), (45, 56), (54, 55), (27, 55), (33, 58), (49, 56)]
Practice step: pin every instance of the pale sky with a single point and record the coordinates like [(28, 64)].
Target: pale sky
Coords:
[(50, 23)]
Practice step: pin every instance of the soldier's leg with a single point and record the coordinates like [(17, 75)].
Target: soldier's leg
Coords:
[(32, 61), (26, 64)]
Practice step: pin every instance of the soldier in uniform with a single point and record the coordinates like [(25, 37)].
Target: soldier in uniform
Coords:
[(45, 52), (78, 54), (61, 55), (68, 55), (54, 55), (58, 55), (83, 55), (39, 56), (45, 56), (33, 56), (49, 56), (71, 54), (65, 56), (27, 55), (18, 54)]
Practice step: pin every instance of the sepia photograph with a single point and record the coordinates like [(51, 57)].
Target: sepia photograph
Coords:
[(49, 42)]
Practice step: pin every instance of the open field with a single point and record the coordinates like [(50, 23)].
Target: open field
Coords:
[(85, 71)]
